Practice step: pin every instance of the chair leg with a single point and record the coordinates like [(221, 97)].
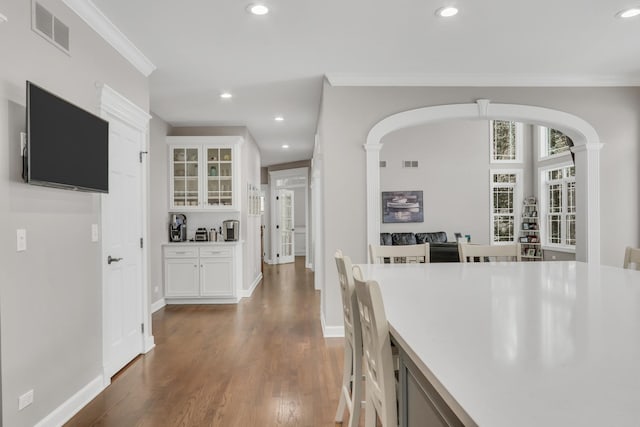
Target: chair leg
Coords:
[(356, 391), (345, 389), (370, 414)]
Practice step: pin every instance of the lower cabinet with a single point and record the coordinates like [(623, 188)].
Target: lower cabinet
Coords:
[(204, 274)]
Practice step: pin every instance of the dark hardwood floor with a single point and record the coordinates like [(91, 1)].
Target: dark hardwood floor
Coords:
[(262, 362)]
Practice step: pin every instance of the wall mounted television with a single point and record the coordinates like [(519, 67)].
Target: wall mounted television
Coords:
[(67, 147)]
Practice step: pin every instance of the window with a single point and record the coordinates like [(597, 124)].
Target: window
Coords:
[(506, 196), (559, 199), (506, 141), (553, 143)]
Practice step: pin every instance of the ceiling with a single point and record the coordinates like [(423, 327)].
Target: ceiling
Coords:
[(274, 64)]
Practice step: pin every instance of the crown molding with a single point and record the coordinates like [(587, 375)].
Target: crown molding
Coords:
[(481, 80), (102, 25)]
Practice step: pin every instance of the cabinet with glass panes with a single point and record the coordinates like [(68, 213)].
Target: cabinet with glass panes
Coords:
[(203, 173)]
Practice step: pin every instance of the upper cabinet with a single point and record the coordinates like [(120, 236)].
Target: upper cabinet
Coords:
[(204, 173)]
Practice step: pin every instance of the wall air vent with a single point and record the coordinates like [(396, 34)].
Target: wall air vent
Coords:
[(409, 163), (383, 163), (48, 26)]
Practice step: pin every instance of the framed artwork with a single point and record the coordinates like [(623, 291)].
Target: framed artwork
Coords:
[(402, 206)]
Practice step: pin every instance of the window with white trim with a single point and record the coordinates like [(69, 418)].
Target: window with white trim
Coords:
[(559, 201), (506, 196), (506, 141), (553, 143)]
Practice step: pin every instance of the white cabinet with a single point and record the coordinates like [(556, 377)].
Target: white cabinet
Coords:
[(201, 274), (204, 173)]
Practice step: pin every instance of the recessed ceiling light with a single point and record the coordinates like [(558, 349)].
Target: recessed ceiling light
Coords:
[(285, 146), (279, 119), (447, 12), (258, 9), (629, 13), (226, 95)]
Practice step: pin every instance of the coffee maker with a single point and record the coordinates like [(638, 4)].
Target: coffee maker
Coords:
[(231, 230), (178, 228)]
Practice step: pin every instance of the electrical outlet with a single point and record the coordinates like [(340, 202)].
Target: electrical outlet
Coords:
[(94, 232), (21, 239), (156, 289), (25, 400)]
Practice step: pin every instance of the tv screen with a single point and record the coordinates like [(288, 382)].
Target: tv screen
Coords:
[(67, 146)]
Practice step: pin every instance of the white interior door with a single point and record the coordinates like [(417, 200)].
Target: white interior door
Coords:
[(284, 227), (122, 254)]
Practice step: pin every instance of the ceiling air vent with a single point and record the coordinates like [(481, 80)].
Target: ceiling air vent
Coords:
[(383, 163), (51, 28), (409, 163)]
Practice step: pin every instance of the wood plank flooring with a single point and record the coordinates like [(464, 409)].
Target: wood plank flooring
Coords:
[(262, 362)]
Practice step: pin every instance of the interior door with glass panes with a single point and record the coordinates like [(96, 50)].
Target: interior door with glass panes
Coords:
[(284, 227), (186, 183), (219, 183)]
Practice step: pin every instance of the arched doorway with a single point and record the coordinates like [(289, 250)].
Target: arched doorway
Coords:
[(586, 149)]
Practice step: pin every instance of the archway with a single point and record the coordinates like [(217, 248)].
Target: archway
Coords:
[(586, 149)]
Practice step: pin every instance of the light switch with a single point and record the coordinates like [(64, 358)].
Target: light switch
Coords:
[(94, 232), (21, 235)]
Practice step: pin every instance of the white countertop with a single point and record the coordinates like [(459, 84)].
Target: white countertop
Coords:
[(238, 242), (529, 344)]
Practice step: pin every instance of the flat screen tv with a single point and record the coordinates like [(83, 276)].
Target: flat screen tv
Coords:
[(67, 147)]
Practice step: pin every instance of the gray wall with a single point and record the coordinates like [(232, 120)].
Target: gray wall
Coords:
[(158, 203), (453, 173), (348, 113), (51, 298)]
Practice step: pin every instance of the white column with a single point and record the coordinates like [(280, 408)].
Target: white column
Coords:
[(587, 159), (373, 194)]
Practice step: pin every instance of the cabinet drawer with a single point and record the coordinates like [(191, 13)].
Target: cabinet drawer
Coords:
[(215, 252), (180, 252)]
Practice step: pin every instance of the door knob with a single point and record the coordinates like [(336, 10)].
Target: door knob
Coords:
[(110, 259)]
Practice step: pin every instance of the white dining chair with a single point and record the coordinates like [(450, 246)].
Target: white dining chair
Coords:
[(381, 400), (481, 253), (351, 389), (631, 258), (399, 254)]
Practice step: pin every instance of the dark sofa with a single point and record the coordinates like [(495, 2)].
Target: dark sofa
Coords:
[(439, 249)]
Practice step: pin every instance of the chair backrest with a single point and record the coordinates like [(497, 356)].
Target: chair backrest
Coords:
[(376, 346), (482, 253), (399, 254), (631, 258), (352, 330)]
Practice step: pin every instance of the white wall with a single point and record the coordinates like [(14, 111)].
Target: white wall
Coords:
[(348, 113), (51, 298)]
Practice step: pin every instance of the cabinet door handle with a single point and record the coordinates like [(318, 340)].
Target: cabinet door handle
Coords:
[(180, 253)]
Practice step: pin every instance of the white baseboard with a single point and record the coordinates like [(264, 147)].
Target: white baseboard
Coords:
[(246, 293), (158, 305), (149, 343), (74, 404), (331, 331)]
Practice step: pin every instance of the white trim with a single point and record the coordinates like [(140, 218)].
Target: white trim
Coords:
[(74, 404), (102, 25), (158, 305), (519, 129), (480, 80), (331, 331), (246, 293), (518, 195), (118, 106), (113, 105), (587, 158)]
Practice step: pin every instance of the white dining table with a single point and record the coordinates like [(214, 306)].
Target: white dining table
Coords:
[(527, 344)]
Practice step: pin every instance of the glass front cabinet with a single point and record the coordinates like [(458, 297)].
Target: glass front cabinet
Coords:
[(203, 173)]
